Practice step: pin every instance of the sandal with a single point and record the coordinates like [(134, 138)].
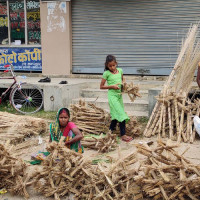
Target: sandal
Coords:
[(126, 138)]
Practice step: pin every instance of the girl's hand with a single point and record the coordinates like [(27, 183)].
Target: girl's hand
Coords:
[(115, 87)]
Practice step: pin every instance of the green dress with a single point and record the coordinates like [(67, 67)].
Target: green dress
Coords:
[(115, 96)]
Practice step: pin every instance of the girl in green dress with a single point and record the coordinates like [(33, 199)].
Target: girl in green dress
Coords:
[(114, 78)]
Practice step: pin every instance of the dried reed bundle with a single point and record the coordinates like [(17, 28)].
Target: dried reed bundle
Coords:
[(94, 120), (102, 144), (65, 171), (133, 128), (131, 90), (166, 174), (16, 127), (167, 112), (89, 118), (13, 174)]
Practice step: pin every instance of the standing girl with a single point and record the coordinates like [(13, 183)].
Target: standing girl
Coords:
[(114, 78)]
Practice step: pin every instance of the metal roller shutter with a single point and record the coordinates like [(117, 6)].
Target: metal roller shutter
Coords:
[(144, 35)]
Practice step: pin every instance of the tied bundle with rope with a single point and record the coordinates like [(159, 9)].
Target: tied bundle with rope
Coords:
[(172, 114)]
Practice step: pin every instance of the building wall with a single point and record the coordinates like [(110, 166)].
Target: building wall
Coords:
[(56, 38)]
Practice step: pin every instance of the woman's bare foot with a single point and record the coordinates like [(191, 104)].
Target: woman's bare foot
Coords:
[(126, 138)]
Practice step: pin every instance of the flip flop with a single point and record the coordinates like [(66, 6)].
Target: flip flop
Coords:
[(63, 82)]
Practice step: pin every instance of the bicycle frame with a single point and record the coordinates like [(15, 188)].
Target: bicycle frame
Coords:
[(25, 98), (11, 86)]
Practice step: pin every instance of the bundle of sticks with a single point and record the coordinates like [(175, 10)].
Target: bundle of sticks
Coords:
[(13, 174), (174, 118), (113, 182), (133, 128), (132, 90), (166, 174), (172, 114), (65, 172), (17, 128), (89, 118), (94, 120), (105, 143)]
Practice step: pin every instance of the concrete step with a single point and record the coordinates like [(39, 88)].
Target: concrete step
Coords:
[(94, 93), (143, 85), (135, 113), (139, 107)]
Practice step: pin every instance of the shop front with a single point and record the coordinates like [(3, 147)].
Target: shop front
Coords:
[(20, 35)]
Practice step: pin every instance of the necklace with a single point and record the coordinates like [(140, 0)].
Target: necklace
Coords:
[(115, 71)]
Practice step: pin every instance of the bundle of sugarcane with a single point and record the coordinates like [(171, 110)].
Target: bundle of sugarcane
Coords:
[(21, 148), (63, 172), (113, 181), (132, 90), (174, 118), (66, 172), (172, 101), (89, 118), (13, 174), (104, 143), (166, 174), (16, 127)]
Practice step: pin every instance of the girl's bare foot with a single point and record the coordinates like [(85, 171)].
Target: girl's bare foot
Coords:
[(126, 138)]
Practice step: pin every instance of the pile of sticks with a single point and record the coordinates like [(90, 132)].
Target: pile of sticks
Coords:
[(133, 128), (13, 174), (89, 118), (113, 182), (172, 114), (174, 118), (94, 120), (103, 144), (65, 171), (132, 90), (166, 174), (17, 128)]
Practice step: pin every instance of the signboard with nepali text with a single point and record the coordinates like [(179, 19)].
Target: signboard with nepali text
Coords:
[(23, 59)]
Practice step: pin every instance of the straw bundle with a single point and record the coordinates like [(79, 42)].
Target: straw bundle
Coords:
[(131, 90), (65, 171), (166, 174), (89, 118), (13, 174), (102, 144), (169, 114), (16, 128)]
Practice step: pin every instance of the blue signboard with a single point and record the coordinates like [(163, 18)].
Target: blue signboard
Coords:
[(23, 59)]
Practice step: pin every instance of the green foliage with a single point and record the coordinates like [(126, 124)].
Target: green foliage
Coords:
[(143, 120)]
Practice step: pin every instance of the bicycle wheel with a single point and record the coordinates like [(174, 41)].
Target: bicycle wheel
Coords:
[(28, 99)]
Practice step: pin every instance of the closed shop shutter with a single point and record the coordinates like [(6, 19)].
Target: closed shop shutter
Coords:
[(144, 35)]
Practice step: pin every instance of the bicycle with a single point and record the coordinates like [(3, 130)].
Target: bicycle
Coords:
[(25, 98)]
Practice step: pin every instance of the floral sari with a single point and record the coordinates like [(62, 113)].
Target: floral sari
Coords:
[(56, 134)]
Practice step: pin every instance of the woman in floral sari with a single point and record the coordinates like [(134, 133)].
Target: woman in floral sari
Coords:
[(63, 127)]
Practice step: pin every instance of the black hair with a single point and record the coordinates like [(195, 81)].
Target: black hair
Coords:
[(66, 110), (109, 58)]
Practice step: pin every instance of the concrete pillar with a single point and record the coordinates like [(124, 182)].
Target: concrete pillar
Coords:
[(56, 37), (152, 100)]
